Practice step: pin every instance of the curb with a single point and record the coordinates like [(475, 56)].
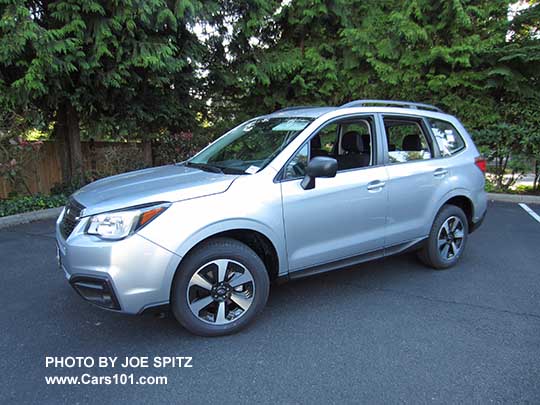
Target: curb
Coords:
[(514, 198), (25, 217)]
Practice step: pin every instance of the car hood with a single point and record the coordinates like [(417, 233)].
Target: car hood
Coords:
[(165, 183)]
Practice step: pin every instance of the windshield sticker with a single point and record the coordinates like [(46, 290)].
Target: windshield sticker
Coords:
[(450, 136), (252, 169), (292, 125)]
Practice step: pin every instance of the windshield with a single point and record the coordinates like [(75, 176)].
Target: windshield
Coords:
[(251, 146)]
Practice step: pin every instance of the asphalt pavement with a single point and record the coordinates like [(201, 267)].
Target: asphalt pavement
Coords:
[(383, 332)]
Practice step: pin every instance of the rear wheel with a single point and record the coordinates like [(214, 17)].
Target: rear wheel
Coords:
[(447, 238), (219, 288)]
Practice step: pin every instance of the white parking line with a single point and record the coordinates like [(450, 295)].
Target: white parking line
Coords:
[(530, 212)]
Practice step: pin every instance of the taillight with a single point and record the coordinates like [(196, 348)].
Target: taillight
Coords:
[(480, 162)]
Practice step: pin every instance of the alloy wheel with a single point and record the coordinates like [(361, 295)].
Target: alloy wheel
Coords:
[(450, 238), (220, 291)]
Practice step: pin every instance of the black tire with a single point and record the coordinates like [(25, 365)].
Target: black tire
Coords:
[(431, 255), (218, 249)]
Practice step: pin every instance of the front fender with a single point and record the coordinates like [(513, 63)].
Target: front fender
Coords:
[(232, 225), (184, 224)]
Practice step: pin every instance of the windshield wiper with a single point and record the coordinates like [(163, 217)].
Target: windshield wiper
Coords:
[(204, 166), (232, 170)]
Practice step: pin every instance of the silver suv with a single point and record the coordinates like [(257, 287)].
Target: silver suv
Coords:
[(297, 192)]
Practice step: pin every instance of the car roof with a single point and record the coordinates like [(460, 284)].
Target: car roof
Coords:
[(301, 112), (368, 105)]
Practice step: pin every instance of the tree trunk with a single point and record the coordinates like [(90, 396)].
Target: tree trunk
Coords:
[(67, 134), (147, 153)]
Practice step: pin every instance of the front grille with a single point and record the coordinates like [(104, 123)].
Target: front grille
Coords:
[(70, 221)]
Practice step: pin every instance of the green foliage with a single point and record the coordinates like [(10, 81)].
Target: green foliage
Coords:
[(127, 68), (329, 52), (67, 188), (523, 189), (501, 144), (464, 56), (18, 157), (490, 186), (136, 68), (18, 205)]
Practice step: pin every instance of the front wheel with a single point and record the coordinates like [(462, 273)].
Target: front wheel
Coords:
[(447, 238), (219, 288)]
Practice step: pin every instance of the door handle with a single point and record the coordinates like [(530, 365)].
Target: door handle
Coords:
[(440, 172), (375, 185)]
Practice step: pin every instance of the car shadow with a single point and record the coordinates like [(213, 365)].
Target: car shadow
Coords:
[(295, 296)]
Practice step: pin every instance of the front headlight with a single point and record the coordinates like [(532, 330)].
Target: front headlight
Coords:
[(119, 224)]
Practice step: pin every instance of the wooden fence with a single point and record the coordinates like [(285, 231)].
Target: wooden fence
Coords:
[(100, 159)]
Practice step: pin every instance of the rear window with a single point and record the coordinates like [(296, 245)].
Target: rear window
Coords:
[(448, 138)]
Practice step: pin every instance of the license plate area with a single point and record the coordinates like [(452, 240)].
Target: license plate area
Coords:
[(60, 255)]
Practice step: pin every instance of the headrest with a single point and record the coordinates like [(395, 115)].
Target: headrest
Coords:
[(352, 142), (412, 143), (316, 142), (366, 140)]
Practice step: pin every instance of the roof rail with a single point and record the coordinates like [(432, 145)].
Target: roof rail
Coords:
[(405, 104), (297, 107)]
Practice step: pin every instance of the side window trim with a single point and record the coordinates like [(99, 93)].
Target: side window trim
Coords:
[(374, 139), (382, 150), (431, 136)]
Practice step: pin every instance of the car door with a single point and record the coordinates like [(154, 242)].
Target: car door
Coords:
[(341, 217), (414, 175)]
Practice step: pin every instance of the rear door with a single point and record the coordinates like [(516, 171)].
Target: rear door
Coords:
[(341, 217), (415, 173)]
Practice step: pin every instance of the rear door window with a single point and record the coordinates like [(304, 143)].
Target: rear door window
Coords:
[(407, 140)]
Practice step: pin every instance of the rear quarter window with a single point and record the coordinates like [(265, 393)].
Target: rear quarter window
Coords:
[(448, 138)]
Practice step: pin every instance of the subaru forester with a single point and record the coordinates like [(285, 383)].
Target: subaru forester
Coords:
[(300, 191)]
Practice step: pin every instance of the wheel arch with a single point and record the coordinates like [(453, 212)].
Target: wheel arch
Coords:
[(251, 234), (258, 242), (461, 199)]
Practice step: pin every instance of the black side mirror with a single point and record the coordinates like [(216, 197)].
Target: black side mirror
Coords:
[(319, 166)]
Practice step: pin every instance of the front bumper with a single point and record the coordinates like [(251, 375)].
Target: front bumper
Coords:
[(97, 290), (128, 275)]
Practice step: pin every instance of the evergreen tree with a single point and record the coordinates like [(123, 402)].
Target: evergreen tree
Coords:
[(332, 51), (117, 65)]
